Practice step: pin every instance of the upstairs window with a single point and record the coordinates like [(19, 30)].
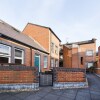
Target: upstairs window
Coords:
[(19, 56), (89, 53), (56, 49), (5, 53), (52, 47)]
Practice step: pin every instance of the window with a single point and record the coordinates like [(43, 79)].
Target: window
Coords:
[(89, 52), (52, 62), (5, 53), (89, 64), (56, 63), (52, 47), (45, 62), (81, 60), (56, 49), (19, 56)]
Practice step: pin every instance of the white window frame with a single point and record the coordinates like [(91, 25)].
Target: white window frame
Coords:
[(56, 49), (52, 63), (56, 63), (46, 62), (6, 56), (91, 54), (89, 63), (21, 58)]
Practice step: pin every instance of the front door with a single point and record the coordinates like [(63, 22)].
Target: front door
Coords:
[(37, 61)]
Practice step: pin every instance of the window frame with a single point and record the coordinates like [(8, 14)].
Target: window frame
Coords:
[(56, 49), (56, 63), (88, 63), (88, 51), (46, 62), (20, 58), (6, 56), (52, 63), (52, 47)]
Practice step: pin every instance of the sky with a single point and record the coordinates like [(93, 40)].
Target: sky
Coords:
[(71, 20)]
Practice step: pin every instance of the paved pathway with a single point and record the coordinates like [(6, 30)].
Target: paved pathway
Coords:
[(47, 93)]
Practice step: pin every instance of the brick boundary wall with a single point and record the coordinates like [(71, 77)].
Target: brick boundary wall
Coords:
[(69, 78), (19, 78), (97, 71)]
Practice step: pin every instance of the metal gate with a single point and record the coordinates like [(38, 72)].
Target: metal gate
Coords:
[(46, 79)]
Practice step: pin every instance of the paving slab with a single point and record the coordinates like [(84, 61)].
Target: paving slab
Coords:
[(47, 93)]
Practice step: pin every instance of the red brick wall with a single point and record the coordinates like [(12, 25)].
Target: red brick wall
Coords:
[(40, 34), (75, 58), (99, 57), (18, 76), (97, 68), (67, 59), (68, 75), (28, 56), (97, 71), (72, 57)]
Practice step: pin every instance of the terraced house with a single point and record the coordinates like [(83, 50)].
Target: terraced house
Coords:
[(47, 39), (79, 54), (18, 48)]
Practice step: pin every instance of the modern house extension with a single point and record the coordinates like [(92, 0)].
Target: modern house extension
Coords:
[(18, 48), (47, 39), (79, 54)]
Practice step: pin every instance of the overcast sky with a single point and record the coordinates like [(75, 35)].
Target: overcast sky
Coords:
[(71, 20)]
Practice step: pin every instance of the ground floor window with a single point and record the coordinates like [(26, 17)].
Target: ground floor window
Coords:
[(90, 64), (81, 60), (45, 61), (19, 56), (56, 63), (5, 54), (52, 63)]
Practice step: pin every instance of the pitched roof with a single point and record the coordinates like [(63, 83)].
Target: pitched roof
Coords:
[(47, 28), (11, 32)]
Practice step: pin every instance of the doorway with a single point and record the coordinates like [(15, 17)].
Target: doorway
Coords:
[(37, 62)]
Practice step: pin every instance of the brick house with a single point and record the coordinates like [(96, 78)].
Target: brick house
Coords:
[(18, 48), (47, 38), (97, 64), (79, 54)]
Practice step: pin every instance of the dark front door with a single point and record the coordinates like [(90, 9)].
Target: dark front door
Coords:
[(37, 61)]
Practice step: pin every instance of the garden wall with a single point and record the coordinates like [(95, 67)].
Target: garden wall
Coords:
[(18, 78), (69, 78)]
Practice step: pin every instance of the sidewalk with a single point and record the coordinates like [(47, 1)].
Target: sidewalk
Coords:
[(47, 93)]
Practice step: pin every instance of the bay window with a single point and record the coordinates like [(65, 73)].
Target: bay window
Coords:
[(5, 54)]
